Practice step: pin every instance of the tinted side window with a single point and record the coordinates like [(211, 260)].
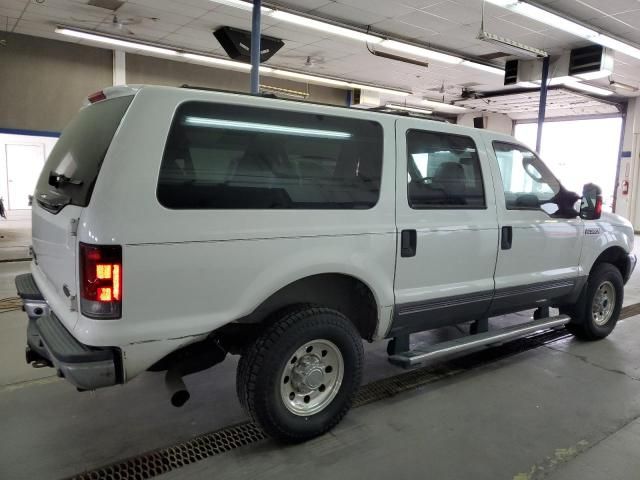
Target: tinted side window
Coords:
[(444, 171), (237, 157), (527, 181)]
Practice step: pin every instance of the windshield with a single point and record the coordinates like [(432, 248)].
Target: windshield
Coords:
[(72, 168)]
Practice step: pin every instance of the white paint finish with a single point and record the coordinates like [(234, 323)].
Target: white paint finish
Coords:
[(24, 163), (186, 273), (119, 67), (456, 248), (543, 248)]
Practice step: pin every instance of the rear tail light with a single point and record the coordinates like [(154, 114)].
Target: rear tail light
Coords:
[(101, 281)]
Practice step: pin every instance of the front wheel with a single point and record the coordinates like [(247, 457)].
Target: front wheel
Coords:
[(299, 378), (596, 313)]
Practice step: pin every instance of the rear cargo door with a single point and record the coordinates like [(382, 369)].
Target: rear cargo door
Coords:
[(64, 189)]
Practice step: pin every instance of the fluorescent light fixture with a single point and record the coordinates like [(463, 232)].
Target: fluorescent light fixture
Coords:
[(405, 108), (310, 78), (528, 84), (443, 107), (242, 5), (225, 63), (588, 88), (483, 67), (217, 61), (263, 128), (114, 41), (570, 26), (511, 45), (594, 75), (324, 26), (420, 52)]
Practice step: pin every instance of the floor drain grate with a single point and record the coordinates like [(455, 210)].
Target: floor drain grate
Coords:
[(161, 461), (10, 304), (152, 464)]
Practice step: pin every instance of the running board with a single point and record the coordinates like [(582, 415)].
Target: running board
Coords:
[(416, 357)]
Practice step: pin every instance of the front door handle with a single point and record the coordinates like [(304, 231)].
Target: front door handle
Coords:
[(408, 243), (506, 238)]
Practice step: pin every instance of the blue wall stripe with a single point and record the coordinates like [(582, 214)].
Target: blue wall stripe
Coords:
[(33, 133)]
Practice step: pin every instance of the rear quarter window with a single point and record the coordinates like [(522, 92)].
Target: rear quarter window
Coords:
[(238, 157), (77, 156)]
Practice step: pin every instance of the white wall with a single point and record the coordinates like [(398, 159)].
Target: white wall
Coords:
[(627, 205), (12, 139), (492, 121)]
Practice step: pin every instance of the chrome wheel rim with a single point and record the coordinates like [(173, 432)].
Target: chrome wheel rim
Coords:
[(312, 377), (603, 303)]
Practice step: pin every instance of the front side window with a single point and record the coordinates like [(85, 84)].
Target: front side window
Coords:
[(527, 182), (443, 171), (238, 157)]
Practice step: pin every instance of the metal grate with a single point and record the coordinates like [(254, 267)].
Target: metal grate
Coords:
[(10, 304), (152, 464), (161, 461)]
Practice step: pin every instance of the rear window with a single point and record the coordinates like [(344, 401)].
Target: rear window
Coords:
[(238, 157), (71, 170)]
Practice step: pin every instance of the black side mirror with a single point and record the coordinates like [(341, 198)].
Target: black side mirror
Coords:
[(591, 204)]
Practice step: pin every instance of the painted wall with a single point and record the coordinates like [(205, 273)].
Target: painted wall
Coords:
[(150, 70), (493, 121), (43, 82), (629, 205)]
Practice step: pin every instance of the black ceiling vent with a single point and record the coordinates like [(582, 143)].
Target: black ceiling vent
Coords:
[(511, 72), (586, 59), (237, 44)]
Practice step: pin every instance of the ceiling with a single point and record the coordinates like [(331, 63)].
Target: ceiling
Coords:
[(448, 24)]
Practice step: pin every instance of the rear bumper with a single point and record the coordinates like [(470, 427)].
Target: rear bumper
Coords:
[(85, 367)]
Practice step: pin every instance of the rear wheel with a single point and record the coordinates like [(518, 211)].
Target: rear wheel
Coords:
[(596, 313), (299, 378)]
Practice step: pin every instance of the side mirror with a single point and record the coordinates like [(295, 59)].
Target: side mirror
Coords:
[(591, 204)]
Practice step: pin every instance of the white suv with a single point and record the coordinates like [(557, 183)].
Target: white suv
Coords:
[(172, 226)]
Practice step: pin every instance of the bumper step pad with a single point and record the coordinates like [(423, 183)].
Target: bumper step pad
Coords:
[(27, 288)]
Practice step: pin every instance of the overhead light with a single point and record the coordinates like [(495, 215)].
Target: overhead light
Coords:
[(442, 107), (225, 63), (623, 86), (588, 88), (405, 108), (324, 26), (217, 61), (570, 26), (263, 127), (420, 52), (526, 84), (242, 5), (115, 41), (511, 45), (483, 67)]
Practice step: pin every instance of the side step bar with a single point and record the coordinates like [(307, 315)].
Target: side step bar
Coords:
[(416, 357)]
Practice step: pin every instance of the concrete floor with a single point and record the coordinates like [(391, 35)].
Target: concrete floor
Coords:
[(567, 411)]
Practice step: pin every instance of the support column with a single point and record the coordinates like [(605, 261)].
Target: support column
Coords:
[(542, 106), (119, 68), (255, 47)]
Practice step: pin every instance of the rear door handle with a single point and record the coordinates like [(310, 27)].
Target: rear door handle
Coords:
[(408, 243), (506, 238)]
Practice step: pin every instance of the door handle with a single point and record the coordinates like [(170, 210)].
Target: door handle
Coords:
[(408, 243), (506, 238)]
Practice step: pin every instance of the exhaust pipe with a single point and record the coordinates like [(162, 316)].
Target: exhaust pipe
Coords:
[(177, 389)]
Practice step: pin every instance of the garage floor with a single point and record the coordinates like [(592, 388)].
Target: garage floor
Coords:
[(567, 410)]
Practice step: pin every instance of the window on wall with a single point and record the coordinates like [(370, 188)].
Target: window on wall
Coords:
[(443, 171), (527, 182), (238, 157)]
